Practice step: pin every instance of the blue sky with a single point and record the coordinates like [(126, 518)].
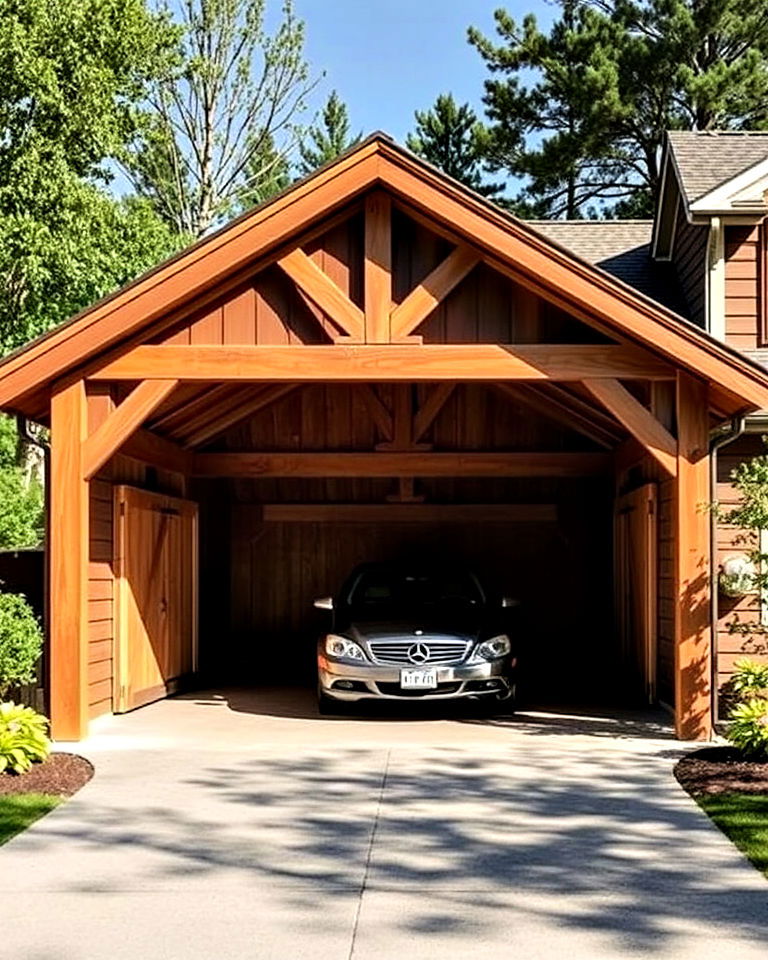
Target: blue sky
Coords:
[(388, 58)]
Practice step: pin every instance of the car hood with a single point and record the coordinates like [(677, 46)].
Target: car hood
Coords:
[(465, 629)]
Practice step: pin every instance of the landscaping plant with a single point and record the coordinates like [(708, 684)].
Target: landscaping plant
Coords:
[(21, 642), (23, 737)]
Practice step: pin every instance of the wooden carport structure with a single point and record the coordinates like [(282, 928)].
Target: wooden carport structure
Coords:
[(383, 286)]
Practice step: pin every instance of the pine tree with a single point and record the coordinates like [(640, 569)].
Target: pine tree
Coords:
[(450, 137), (328, 139), (579, 113), (553, 129)]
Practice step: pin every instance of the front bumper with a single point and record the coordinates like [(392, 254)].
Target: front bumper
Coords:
[(371, 680)]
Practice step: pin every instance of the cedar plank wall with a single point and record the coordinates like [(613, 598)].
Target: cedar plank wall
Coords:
[(742, 287), (690, 256), (100, 573)]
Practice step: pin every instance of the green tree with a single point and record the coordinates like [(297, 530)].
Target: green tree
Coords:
[(579, 113), (450, 137), (70, 78), (231, 97), (551, 101), (328, 139)]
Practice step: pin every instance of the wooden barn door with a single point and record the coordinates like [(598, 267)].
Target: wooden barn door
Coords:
[(156, 594), (636, 582)]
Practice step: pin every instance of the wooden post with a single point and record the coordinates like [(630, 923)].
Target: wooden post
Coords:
[(693, 628), (378, 267), (69, 565)]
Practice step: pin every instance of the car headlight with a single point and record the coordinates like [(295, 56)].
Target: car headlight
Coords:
[(342, 649), (494, 648)]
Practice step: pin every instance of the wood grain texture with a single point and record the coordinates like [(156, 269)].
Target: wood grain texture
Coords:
[(388, 363), (426, 464), (638, 420), (409, 513), (423, 299), (69, 533), (378, 267), (322, 291), (127, 417), (693, 634)]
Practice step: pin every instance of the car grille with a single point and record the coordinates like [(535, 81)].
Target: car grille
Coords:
[(432, 649), (395, 690)]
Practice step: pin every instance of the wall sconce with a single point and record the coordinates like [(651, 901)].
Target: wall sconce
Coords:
[(737, 576)]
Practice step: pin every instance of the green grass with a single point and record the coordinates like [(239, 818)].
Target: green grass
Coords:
[(18, 811), (743, 818)]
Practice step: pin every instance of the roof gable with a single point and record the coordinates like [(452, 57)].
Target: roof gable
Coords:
[(257, 239)]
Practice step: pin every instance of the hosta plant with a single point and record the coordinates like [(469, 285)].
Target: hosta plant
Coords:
[(749, 680), (748, 728), (23, 737)]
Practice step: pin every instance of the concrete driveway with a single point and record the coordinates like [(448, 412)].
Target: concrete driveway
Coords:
[(238, 825)]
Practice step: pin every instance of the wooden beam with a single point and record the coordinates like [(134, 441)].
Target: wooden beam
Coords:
[(114, 431), (409, 513), (243, 408), (155, 450), (426, 414), (401, 464), (196, 397), (565, 409), (693, 626), (319, 287), (381, 416), (423, 299), (639, 421), (402, 421), (378, 267), (370, 363), (69, 554)]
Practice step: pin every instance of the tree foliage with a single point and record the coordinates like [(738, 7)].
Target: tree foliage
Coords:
[(21, 642), (70, 78), (223, 115), (328, 139), (579, 112), (450, 136)]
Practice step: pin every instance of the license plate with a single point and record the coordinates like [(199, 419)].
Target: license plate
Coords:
[(418, 679)]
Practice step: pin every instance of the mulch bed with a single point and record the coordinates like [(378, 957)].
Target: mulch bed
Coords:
[(715, 770), (62, 774)]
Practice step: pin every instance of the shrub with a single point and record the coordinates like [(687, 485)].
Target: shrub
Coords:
[(748, 728), (749, 679), (23, 737), (21, 642)]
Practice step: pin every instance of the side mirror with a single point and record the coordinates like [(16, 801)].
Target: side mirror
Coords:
[(324, 603), (508, 602)]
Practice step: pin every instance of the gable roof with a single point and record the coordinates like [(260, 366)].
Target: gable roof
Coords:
[(254, 240), (621, 248), (705, 160)]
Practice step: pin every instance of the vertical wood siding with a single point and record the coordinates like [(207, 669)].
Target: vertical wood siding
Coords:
[(742, 287), (484, 307), (689, 257)]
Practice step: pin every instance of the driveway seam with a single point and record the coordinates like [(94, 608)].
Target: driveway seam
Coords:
[(369, 854)]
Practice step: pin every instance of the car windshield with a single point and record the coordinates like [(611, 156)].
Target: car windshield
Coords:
[(376, 589)]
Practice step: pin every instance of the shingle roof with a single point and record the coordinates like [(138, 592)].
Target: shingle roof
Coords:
[(707, 159), (621, 248)]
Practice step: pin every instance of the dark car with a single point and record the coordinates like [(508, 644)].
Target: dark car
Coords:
[(400, 633)]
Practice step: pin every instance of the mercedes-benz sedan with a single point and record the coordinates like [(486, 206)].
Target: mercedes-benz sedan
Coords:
[(399, 633)]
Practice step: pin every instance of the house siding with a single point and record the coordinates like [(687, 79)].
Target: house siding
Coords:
[(689, 257), (742, 287)]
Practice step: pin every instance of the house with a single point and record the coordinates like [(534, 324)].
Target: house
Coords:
[(380, 362)]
